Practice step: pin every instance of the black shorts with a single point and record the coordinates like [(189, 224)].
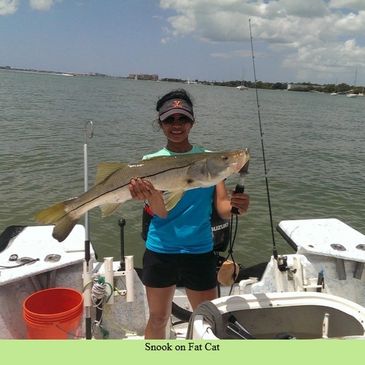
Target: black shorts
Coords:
[(192, 271)]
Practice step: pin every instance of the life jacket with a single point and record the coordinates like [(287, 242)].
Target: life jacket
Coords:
[(220, 228)]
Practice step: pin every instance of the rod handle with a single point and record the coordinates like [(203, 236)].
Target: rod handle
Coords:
[(122, 223), (239, 189)]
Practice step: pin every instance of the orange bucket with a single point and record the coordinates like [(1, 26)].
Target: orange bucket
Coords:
[(53, 313)]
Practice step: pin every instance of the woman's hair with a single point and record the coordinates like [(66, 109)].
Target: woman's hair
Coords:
[(174, 94)]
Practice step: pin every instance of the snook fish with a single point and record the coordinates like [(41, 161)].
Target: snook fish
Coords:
[(171, 174)]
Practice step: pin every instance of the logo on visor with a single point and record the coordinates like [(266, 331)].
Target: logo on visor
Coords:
[(177, 104)]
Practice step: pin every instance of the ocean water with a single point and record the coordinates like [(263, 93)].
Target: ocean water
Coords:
[(314, 146)]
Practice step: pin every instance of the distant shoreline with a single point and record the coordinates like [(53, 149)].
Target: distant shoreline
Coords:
[(326, 88), (48, 72)]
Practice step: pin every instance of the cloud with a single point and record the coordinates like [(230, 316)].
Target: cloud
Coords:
[(232, 54), (351, 23), (42, 5), (349, 4), (8, 7), (313, 35), (328, 58)]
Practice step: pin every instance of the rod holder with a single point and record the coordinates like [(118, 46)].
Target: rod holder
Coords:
[(109, 278), (87, 283), (129, 273), (122, 223)]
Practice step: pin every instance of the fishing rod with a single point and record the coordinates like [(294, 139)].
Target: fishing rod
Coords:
[(88, 134), (282, 266)]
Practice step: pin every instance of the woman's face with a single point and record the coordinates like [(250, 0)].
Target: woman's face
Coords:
[(177, 128)]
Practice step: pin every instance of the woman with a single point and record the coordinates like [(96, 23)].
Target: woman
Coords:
[(179, 243)]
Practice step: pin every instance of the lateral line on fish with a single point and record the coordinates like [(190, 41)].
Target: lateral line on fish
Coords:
[(122, 186)]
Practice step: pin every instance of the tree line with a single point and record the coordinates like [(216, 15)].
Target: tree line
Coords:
[(327, 88)]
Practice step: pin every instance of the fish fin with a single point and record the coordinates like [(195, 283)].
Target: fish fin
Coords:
[(108, 209), (171, 199), (105, 169), (63, 228)]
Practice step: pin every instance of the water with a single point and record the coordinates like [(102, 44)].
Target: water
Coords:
[(314, 145)]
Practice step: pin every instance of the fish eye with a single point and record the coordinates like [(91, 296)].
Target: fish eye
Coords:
[(224, 158)]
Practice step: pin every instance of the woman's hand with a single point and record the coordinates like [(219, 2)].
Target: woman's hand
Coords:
[(144, 190), (240, 201), (141, 189), (224, 202)]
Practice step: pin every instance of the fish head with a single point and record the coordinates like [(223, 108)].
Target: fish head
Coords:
[(217, 166)]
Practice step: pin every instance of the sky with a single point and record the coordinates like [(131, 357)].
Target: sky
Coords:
[(319, 41)]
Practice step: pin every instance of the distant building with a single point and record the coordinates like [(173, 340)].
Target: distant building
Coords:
[(143, 77)]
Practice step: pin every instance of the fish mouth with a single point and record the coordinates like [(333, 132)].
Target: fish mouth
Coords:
[(239, 168), (244, 169), (243, 159)]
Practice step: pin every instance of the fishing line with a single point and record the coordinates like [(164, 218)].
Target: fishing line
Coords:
[(232, 239), (275, 252)]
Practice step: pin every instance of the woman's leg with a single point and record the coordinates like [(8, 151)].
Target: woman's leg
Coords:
[(159, 303), (199, 273), (196, 296)]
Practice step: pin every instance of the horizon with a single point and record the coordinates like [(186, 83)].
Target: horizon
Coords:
[(93, 74)]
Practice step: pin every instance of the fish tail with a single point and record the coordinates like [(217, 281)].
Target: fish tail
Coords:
[(57, 215), (63, 228), (52, 214)]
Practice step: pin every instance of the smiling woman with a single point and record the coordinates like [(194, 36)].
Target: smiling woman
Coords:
[(179, 242), (176, 118)]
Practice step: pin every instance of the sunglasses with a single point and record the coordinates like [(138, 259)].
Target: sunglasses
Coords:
[(181, 119)]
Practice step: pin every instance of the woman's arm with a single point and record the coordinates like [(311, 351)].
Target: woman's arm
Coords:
[(224, 203), (144, 190)]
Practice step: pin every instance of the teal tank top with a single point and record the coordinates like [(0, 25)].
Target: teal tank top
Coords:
[(187, 227)]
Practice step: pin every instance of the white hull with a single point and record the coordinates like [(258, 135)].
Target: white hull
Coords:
[(326, 248)]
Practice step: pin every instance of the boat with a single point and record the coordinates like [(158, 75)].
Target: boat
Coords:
[(351, 93), (325, 276), (355, 95), (191, 82), (242, 86)]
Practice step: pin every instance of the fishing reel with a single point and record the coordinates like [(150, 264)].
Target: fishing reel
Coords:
[(282, 262)]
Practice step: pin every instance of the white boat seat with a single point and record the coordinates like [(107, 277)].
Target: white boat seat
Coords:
[(326, 237)]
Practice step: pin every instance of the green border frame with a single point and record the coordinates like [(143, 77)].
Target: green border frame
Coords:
[(296, 352)]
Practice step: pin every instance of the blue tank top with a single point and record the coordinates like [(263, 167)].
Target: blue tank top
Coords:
[(187, 227)]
